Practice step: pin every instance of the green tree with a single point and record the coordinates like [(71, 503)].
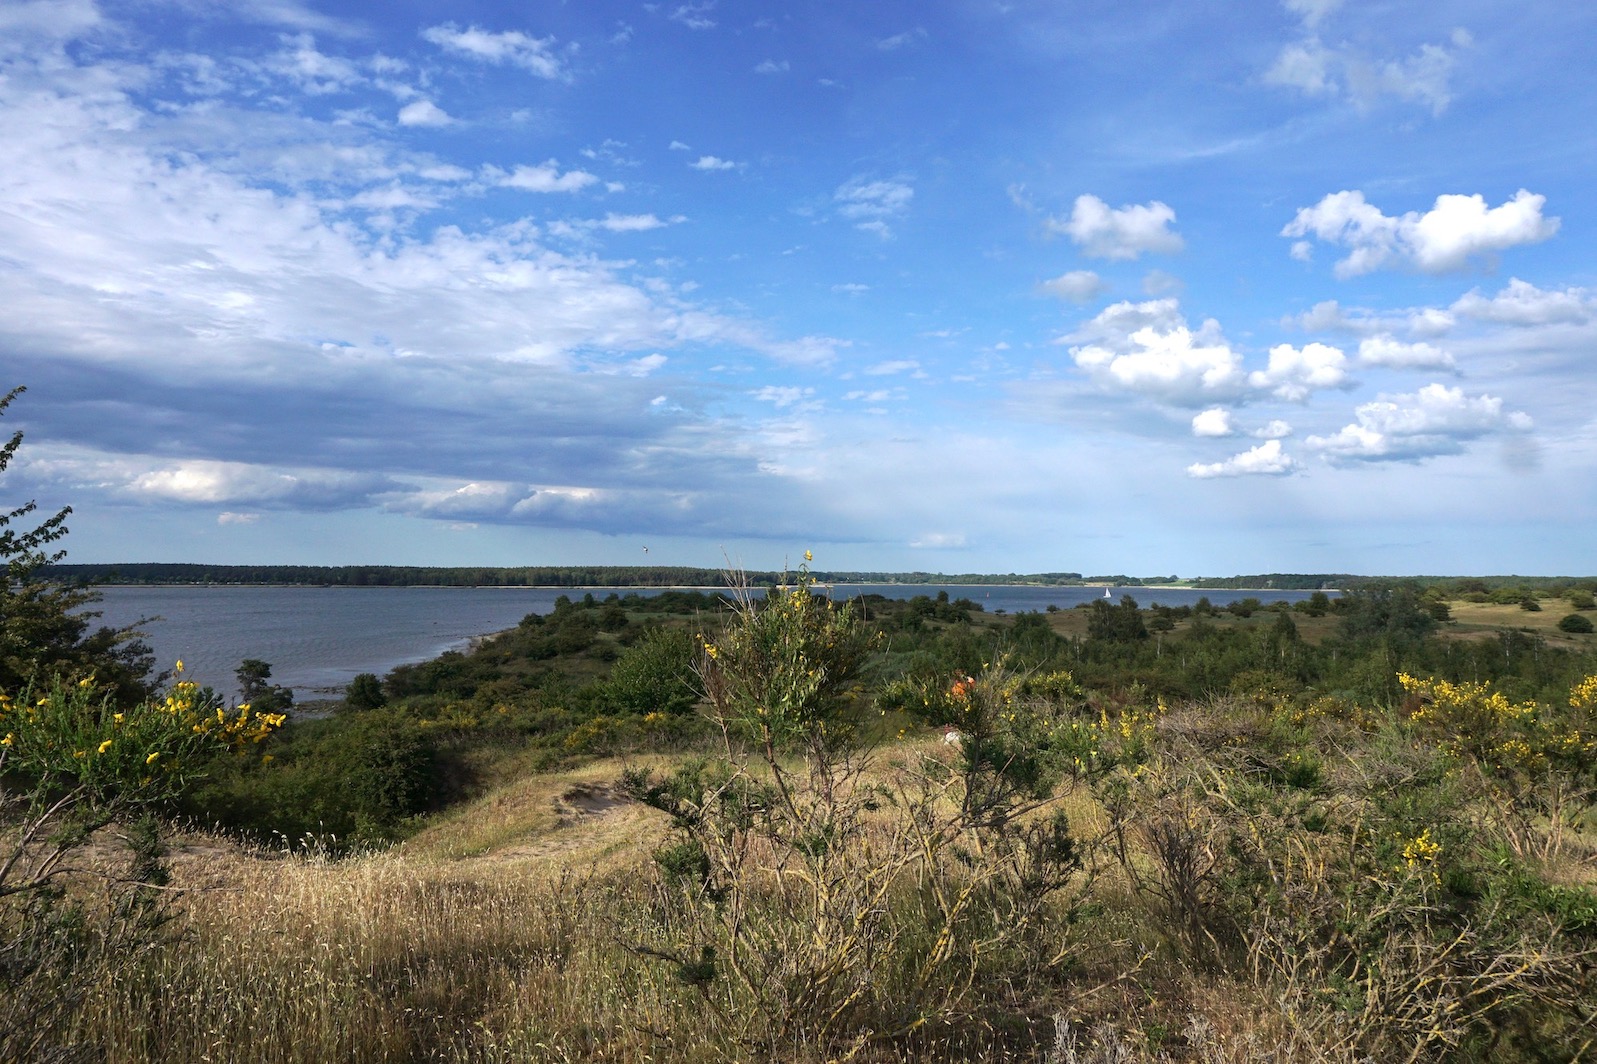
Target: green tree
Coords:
[(257, 690), (44, 630), (656, 673), (1575, 624), (365, 692)]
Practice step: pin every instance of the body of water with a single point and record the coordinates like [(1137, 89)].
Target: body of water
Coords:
[(318, 638)]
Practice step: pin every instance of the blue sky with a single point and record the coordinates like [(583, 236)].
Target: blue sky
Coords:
[(953, 285)]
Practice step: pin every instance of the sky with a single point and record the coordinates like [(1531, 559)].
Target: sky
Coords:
[(944, 285)]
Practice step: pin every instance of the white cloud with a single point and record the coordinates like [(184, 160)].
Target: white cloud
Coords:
[(783, 395), (1273, 430), (1213, 422), (544, 178), (630, 223), (1312, 11), (938, 541), (1383, 350), (1078, 286), (900, 40), (851, 289), (1435, 420), (1420, 322), (772, 66), (1113, 325), (423, 113), (1315, 68), (694, 16), (1148, 349), (533, 54), (1522, 303), (313, 71), (146, 478), (228, 517), (870, 204), (1267, 459), (1293, 374), (711, 162), (55, 20), (899, 365), (1125, 233), (1445, 238)]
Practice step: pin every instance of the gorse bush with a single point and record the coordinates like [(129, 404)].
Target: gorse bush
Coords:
[(819, 899)]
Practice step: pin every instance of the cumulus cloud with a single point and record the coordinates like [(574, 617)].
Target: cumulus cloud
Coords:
[(711, 162), (1383, 350), (544, 178), (871, 204), (1446, 238), (1522, 303), (1293, 374), (1267, 459), (423, 113), (1213, 422), (1436, 420), (206, 482), (1272, 430), (1078, 286), (1105, 232), (1148, 349), (772, 66), (533, 54)]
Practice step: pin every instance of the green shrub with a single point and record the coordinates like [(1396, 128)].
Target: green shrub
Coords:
[(1576, 624)]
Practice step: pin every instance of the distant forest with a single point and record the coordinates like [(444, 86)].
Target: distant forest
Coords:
[(518, 576), (684, 576)]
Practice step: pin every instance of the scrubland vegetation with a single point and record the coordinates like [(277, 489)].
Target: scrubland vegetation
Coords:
[(726, 828)]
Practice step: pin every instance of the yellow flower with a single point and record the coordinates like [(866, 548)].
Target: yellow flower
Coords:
[(151, 759), (179, 667), (808, 556), (105, 746), (10, 736), (86, 682)]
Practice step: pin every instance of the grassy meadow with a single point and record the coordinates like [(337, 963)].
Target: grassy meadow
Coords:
[(691, 831)]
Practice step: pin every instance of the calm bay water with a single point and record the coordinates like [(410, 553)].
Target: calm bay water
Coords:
[(318, 638)]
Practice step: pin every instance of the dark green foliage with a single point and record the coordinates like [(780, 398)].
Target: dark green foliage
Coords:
[(256, 689), (365, 691), (1115, 624), (655, 674), (1576, 624), (44, 630)]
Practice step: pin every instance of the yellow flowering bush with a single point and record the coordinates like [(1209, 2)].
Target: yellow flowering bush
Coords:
[(72, 737), (784, 668)]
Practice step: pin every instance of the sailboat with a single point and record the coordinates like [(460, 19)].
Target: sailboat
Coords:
[(1106, 593)]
